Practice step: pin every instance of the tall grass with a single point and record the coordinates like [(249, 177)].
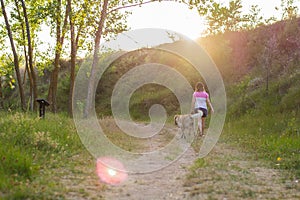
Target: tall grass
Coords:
[(29, 144), (275, 139), (267, 124)]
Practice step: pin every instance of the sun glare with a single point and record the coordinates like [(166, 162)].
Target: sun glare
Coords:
[(173, 16), (108, 175), (111, 172)]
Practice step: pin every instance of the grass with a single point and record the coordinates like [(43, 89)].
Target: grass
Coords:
[(29, 147), (275, 139), (119, 138), (45, 159), (227, 172), (267, 124), (266, 128)]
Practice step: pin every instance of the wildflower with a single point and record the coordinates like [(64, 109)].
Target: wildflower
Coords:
[(278, 159)]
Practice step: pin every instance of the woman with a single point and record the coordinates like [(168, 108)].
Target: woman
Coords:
[(199, 102)]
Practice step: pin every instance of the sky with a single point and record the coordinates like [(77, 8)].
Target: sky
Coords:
[(167, 15), (149, 23), (178, 17)]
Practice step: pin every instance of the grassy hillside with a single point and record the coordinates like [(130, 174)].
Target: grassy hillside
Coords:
[(267, 124), (264, 95)]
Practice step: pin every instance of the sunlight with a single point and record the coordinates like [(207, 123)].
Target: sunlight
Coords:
[(168, 15)]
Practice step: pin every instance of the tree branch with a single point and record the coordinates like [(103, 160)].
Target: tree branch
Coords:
[(137, 4)]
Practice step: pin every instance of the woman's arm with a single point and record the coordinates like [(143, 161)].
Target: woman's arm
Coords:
[(211, 107)]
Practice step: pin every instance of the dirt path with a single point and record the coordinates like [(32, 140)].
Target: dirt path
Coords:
[(162, 184), (226, 173)]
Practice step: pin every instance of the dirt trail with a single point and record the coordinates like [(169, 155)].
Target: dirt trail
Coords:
[(226, 173), (165, 183)]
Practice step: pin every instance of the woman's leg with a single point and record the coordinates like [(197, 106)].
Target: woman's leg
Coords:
[(203, 124), (199, 126)]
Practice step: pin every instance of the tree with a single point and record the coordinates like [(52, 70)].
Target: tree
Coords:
[(1, 95), (91, 83), (15, 55), (61, 29), (289, 10), (98, 35), (220, 18), (80, 21), (32, 75), (25, 20), (253, 19), (74, 43), (19, 16)]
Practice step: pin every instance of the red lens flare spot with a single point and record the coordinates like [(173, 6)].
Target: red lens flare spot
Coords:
[(110, 171)]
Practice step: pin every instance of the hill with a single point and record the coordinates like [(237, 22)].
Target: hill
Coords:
[(147, 95), (261, 70)]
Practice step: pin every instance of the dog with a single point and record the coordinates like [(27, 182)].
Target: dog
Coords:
[(188, 123)]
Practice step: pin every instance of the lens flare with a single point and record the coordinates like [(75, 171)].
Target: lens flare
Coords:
[(110, 171)]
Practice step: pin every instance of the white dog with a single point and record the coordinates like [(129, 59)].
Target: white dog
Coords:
[(188, 123)]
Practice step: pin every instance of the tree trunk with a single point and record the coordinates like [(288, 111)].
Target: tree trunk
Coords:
[(74, 43), (15, 55), (53, 83), (33, 83), (24, 46), (91, 84), (1, 95), (54, 74), (27, 70), (60, 34)]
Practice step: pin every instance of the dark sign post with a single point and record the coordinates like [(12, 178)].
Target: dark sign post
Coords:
[(43, 103)]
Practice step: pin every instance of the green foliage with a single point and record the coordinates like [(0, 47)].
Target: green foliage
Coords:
[(7, 74), (289, 10)]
